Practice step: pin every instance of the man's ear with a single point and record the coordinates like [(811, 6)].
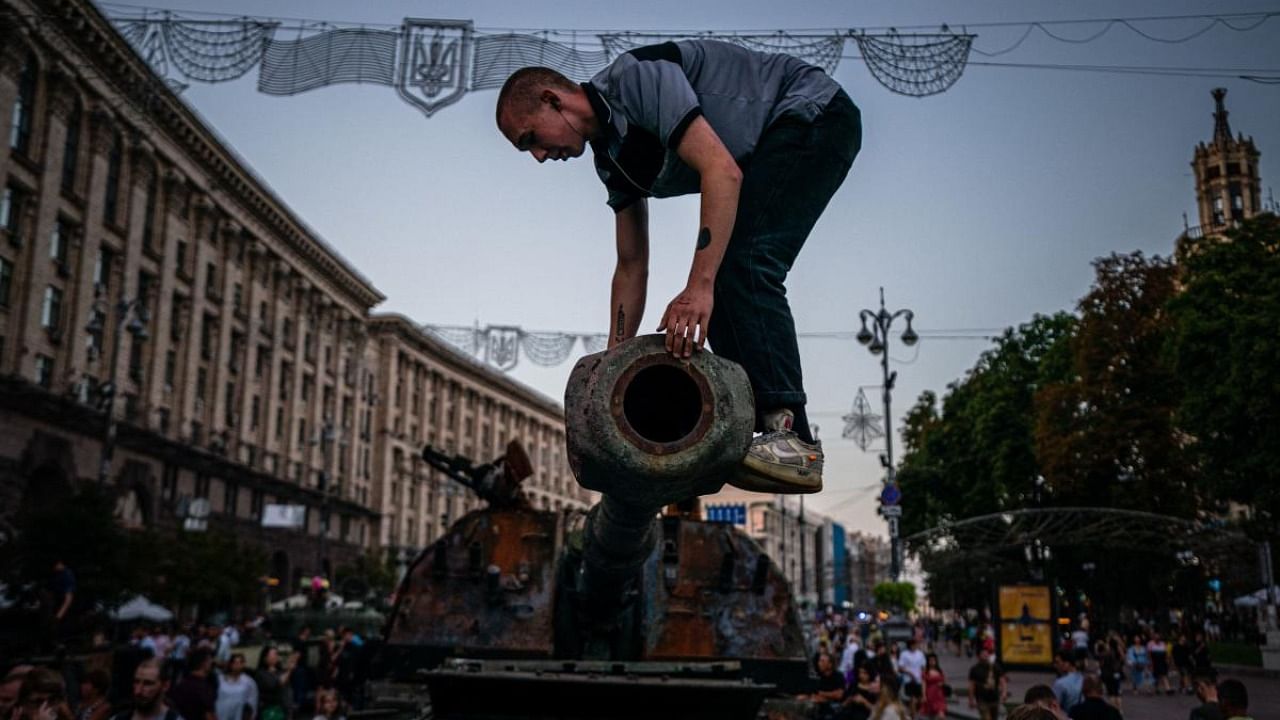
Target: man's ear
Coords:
[(550, 97)]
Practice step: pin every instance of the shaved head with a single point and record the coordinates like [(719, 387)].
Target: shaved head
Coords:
[(521, 92)]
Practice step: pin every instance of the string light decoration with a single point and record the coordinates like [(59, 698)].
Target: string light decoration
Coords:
[(917, 65), (432, 63), (862, 425)]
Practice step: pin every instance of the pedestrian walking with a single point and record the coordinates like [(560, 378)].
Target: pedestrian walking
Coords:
[(195, 696), (988, 685), (934, 706), (1139, 663), (237, 692)]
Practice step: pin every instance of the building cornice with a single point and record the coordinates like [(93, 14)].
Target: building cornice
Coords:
[(405, 329), (94, 37)]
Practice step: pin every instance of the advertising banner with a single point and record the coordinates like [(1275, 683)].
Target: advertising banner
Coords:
[(1026, 625)]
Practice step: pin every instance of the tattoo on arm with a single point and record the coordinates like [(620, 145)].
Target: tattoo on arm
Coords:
[(704, 238), (622, 324)]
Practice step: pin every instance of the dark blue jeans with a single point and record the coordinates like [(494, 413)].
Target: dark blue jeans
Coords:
[(795, 169)]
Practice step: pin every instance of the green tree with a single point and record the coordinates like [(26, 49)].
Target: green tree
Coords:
[(895, 595), (976, 455), (1105, 435), (81, 531), (1224, 351)]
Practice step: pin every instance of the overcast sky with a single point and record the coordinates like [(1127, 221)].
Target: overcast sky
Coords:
[(976, 208)]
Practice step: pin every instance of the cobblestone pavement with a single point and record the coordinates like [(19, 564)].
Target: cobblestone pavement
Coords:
[(1264, 694)]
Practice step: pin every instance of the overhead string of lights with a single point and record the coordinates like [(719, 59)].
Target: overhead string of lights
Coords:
[(434, 63), (502, 346)]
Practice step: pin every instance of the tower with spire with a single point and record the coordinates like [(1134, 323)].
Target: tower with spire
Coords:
[(1228, 188)]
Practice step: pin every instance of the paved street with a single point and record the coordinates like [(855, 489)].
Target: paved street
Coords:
[(1264, 694)]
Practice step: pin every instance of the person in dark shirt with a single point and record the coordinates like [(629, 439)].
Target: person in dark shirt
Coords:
[(1094, 706), (195, 696), (830, 684), (1206, 687), (988, 686)]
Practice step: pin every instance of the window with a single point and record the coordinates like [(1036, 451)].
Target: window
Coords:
[(208, 328), (24, 108), (202, 485), (58, 242), (230, 398), (149, 213), (262, 312), (260, 361), (114, 160), (169, 483), (254, 410), (11, 212), (135, 358), (44, 371), (102, 268), (202, 378), (211, 280), (180, 257), (302, 430), (230, 493), (279, 423), (237, 297), (71, 150), (146, 283), (51, 310), (6, 281), (170, 368)]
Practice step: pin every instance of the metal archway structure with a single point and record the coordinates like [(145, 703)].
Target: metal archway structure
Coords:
[(997, 537)]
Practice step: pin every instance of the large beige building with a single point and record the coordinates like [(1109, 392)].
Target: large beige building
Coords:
[(141, 258)]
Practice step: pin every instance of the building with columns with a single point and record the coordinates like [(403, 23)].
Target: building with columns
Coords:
[(146, 269)]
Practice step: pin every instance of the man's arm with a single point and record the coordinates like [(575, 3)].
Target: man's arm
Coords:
[(66, 604), (687, 316), (631, 276)]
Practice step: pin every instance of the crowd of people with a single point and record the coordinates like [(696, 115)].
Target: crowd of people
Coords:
[(197, 673), (893, 672)]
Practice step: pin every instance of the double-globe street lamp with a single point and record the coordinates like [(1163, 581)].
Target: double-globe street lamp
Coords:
[(876, 338), (131, 317)]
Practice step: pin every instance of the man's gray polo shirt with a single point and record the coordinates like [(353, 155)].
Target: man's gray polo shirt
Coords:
[(647, 97)]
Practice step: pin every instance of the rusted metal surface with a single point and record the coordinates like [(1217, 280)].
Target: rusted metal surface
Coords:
[(484, 589), (645, 430), (621, 612), (648, 430), (712, 593), (497, 483)]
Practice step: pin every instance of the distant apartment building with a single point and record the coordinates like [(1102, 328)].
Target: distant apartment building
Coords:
[(142, 259)]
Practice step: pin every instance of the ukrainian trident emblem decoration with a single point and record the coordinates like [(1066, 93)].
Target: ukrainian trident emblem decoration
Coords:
[(434, 59)]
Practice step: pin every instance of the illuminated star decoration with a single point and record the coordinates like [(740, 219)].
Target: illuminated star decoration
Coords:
[(861, 425)]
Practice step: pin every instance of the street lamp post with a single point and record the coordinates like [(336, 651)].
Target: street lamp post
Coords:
[(325, 439), (876, 338), (131, 317)]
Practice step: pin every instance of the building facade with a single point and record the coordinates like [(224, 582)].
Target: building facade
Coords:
[(145, 270)]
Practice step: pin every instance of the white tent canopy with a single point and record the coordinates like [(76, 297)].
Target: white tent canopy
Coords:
[(1256, 598), (140, 608), (294, 602)]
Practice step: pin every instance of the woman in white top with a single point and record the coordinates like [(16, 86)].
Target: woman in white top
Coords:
[(237, 692)]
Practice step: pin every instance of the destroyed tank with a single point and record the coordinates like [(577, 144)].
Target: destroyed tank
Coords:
[(627, 610)]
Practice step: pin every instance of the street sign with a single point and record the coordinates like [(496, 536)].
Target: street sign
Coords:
[(891, 511), (890, 495)]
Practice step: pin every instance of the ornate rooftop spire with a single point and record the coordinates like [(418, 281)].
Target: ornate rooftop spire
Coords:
[(1221, 128)]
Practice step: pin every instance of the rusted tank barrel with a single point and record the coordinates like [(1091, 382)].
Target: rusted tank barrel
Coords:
[(646, 430)]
